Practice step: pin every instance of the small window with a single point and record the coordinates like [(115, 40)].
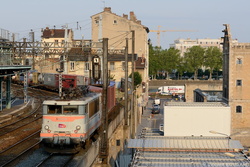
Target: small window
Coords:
[(238, 109), (72, 66), (239, 61), (112, 66), (86, 66), (123, 65), (115, 21), (238, 82)]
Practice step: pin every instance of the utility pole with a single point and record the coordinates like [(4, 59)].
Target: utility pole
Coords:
[(25, 83), (32, 38), (104, 143), (126, 84), (133, 78)]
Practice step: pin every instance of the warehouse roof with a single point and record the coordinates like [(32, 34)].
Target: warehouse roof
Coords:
[(197, 104), (183, 143), (189, 159), (186, 151)]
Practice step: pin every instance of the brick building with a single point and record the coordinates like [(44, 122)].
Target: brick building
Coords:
[(236, 85)]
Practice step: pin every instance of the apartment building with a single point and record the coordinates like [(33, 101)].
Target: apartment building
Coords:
[(236, 87), (54, 40), (107, 24), (184, 44)]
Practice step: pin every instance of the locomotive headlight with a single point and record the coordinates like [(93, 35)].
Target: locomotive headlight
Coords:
[(78, 127), (46, 127)]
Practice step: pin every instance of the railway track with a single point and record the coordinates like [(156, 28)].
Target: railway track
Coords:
[(20, 122), (12, 153), (56, 160)]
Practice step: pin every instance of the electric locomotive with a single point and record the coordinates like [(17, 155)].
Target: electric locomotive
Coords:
[(69, 124)]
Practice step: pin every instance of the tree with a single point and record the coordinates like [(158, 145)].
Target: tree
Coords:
[(170, 60), (194, 58), (137, 78), (181, 67), (154, 63), (213, 59)]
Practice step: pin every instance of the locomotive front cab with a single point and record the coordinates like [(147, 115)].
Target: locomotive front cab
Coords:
[(64, 123), (68, 123)]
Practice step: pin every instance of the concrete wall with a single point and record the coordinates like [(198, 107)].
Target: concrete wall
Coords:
[(196, 120), (190, 86)]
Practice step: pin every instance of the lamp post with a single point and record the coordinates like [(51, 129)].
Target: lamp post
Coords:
[(215, 132)]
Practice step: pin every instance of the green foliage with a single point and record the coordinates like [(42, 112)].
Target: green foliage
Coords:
[(137, 78), (181, 67), (154, 53), (194, 58), (213, 59), (163, 60)]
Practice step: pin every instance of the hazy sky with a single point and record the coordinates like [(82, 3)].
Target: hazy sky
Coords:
[(205, 16)]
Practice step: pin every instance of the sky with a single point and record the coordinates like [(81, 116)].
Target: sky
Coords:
[(205, 18)]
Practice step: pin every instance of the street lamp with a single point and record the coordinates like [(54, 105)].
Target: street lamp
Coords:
[(215, 132)]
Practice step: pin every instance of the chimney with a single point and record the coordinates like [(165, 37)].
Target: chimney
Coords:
[(125, 16), (138, 21), (52, 32), (132, 16), (107, 9)]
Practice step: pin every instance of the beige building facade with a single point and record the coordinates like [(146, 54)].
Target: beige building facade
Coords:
[(117, 28), (184, 44), (236, 87), (54, 41)]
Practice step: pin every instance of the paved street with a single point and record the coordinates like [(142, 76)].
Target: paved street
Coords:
[(149, 120)]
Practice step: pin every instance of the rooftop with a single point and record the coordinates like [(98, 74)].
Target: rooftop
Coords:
[(152, 149), (196, 104)]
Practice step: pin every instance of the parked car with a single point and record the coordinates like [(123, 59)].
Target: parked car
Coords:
[(156, 109), (157, 101)]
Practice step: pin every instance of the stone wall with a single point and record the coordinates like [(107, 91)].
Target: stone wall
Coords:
[(190, 86)]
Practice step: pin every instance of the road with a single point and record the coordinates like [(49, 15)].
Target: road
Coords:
[(149, 120)]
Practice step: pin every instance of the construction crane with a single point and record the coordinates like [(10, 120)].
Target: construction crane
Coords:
[(159, 31)]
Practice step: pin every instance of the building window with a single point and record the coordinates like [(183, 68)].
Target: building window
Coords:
[(112, 66), (115, 22), (72, 66), (239, 61), (238, 109), (86, 68), (238, 82), (123, 65)]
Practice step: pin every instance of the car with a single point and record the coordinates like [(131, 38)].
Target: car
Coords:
[(157, 101), (155, 109)]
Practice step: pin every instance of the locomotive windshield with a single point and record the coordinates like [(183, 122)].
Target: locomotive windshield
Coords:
[(55, 109)]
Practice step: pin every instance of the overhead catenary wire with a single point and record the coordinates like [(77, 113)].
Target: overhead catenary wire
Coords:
[(120, 40)]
